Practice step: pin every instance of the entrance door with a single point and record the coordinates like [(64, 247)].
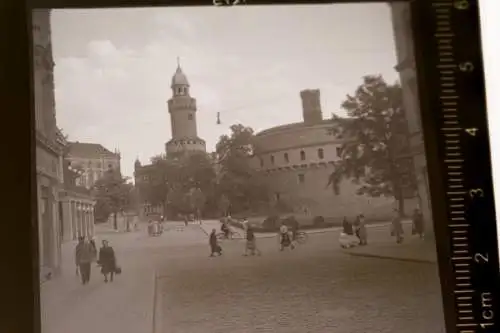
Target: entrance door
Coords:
[(46, 227), (61, 221)]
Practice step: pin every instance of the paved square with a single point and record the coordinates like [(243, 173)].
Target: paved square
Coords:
[(313, 289)]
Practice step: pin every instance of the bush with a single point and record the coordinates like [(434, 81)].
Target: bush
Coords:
[(271, 222), (291, 221), (318, 221)]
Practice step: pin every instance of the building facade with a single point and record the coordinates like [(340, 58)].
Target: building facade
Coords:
[(403, 37), (76, 206), (93, 160), (185, 140), (49, 147), (298, 160)]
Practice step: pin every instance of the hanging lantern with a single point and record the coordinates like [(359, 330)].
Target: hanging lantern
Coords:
[(218, 118)]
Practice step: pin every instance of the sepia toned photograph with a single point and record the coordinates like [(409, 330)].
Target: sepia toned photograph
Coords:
[(213, 170)]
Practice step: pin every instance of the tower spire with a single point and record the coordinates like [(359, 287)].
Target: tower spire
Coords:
[(178, 62)]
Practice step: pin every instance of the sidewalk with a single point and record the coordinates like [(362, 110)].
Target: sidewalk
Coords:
[(412, 249), (124, 306)]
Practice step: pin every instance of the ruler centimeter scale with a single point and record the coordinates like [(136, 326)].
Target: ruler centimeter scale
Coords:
[(473, 301)]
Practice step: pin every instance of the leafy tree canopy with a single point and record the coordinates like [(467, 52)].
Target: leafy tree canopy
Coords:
[(113, 193), (243, 186), (375, 138)]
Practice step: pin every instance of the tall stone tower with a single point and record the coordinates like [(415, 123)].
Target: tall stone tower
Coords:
[(311, 106), (182, 109)]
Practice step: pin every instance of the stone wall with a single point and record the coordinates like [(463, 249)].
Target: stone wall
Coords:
[(306, 190)]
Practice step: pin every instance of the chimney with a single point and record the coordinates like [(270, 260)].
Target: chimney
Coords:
[(311, 106)]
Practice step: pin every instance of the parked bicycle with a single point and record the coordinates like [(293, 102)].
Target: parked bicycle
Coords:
[(231, 234)]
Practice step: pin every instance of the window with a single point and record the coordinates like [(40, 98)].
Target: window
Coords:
[(321, 153), (272, 159), (339, 151), (302, 155), (190, 116), (287, 159), (301, 178)]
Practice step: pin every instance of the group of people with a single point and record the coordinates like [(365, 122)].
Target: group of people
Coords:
[(250, 244), (86, 254), (358, 227), (155, 228), (287, 237)]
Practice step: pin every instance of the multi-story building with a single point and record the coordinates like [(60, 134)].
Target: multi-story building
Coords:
[(93, 160), (298, 160), (76, 205), (403, 37), (185, 140), (49, 147)]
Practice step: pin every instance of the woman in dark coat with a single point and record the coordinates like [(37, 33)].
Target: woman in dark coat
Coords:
[(418, 223), (214, 246), (397, 227), (107, 261), (347, 226)]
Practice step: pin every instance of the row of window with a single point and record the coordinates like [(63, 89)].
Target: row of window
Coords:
[(181, 91), (97, 165), (320, 152)]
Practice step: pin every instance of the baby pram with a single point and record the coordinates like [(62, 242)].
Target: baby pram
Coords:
[(347, 241)]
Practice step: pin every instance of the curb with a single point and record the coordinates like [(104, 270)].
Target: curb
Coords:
[(154, 323), (204, 231), (368, 255)]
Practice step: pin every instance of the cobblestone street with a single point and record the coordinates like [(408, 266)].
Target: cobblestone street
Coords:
[(316, 288)]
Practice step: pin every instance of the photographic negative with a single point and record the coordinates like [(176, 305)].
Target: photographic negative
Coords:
[(256, 169)]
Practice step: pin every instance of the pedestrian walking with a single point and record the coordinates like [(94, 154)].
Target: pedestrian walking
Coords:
[(107, 261), (83, 259), (362, 232), (214, 245), (94, 250), (347, 227), (355, 227), (418, 223), (397, 227), (284, 237), (251, 243)]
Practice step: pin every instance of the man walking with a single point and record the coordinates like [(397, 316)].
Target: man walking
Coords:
[(84, 255), (251, 244)]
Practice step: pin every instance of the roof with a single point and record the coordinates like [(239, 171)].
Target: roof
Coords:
[(292, 127), (88, 150), (179, 78)]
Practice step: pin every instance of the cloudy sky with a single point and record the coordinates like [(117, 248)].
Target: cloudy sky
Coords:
[(114, 67)]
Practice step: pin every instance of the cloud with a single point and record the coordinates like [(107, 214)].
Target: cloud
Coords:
[(114, 67)]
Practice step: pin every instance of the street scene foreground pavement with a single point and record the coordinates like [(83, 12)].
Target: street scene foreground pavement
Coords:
[(316, 288)]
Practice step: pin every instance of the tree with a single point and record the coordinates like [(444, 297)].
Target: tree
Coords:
[(244, 187), (197, 200), (224, 205), (113, 192), (171, 180), (375, 136), (156, 190)]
